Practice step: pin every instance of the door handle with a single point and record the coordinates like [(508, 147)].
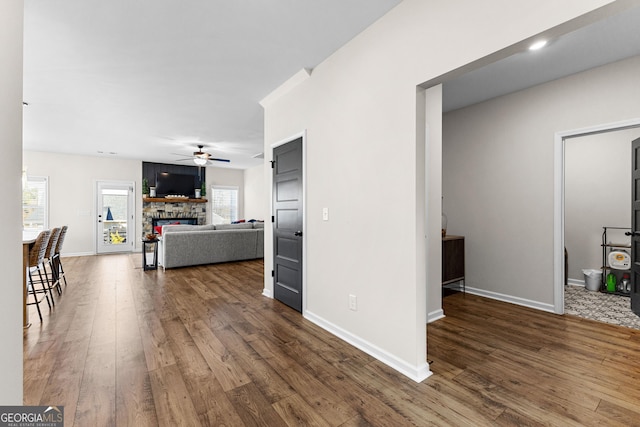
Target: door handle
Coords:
[(632, 233), (298, 234)]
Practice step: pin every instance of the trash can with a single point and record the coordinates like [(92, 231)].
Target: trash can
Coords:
[(592, 279)]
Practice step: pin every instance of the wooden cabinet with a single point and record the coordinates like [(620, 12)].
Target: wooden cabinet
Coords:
[(453, 260)]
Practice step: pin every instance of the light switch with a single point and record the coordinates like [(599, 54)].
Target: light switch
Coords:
[(325, 214)]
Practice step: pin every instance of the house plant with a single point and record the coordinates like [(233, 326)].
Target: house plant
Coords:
[(145, 187)]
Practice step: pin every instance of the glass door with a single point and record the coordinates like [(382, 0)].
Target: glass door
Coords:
[(115, 207)]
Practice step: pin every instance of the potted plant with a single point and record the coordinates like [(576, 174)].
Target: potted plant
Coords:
[(145, 187), (203, 189)]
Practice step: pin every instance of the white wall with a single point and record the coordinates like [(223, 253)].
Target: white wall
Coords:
[(72, 191), (72, 188), (597, 194), (11, 19), (255, 196), (359, 110), (498, 176)]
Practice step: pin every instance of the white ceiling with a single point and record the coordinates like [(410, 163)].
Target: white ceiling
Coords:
[(123, 79), (144, 79), (606, 41)]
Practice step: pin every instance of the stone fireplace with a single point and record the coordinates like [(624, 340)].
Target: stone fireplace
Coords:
[(188, 211)]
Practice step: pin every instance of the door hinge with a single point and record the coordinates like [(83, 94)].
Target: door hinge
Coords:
[(273, 218), (273, 164), (273, 273)]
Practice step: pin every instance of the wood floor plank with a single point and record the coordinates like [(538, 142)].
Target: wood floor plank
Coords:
[(295, 411), (172, 399), (63, 385), (134, 396), (97, 394), (305, 383), (157, 349), (202, 346), (253, 408), (222, 363), (210, 401)]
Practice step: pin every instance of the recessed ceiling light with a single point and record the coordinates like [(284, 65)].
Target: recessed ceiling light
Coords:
[(538, 45)]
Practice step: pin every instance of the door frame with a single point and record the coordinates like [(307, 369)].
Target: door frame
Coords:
[(559, 194), (131, 225), (284, 141)]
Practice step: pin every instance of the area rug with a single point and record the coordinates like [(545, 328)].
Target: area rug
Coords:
[(599, 306)]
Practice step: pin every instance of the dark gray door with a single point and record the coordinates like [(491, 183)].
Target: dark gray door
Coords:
[(635, 226), (287, 223)]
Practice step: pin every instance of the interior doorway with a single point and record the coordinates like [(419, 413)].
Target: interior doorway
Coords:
[(563, 205), (288, 221), (114, 216)]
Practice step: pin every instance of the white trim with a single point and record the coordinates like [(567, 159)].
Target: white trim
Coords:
[(511, 299), (267, 293), (285, 87), (575, 282), (558, 200), (435, 315), (416, 373), (47, 196), (558, 225), (291, 138), (235, 188), (67, 255), (131, 210)]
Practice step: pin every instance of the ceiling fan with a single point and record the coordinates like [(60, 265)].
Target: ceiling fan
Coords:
[(202, 158)]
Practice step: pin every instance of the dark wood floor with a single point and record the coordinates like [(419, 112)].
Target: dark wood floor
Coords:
[(201, 346)]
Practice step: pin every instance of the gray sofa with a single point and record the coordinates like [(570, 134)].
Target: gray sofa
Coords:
[(184, 245)]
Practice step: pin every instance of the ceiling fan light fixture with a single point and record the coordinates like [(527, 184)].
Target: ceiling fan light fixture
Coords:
[(199, 161)]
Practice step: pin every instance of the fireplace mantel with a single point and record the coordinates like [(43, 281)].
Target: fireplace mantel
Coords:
[(176, 200)]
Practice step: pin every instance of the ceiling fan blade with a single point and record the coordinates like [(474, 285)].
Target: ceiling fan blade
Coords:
[(219, 160)]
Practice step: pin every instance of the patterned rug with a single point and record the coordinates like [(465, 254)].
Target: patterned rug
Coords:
[(599, 306)]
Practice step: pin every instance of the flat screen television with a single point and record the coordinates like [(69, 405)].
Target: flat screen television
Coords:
[(175, 184)]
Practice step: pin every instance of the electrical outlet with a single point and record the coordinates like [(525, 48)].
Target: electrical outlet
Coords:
[(353, 303), (325, 214)]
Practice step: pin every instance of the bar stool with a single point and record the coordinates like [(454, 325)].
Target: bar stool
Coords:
[(53, 275), (36, 258), (56, 256)]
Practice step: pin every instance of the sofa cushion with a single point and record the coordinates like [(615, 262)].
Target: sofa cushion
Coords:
[(243, 226), (258, 225), (171, 228)]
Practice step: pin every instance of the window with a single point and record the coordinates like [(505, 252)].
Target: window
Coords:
[(224, 204), (35, 208)]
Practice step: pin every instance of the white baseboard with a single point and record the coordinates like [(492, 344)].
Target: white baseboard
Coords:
[(435, 315), (267, 293), (416, 373), (511, 299), (575, 282), (66, 254)]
